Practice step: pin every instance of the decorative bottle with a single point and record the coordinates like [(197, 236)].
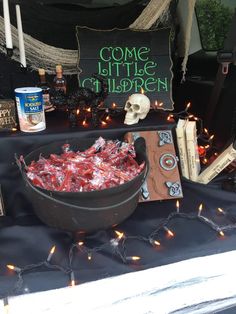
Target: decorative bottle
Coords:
[(46, 90), (59, 82)]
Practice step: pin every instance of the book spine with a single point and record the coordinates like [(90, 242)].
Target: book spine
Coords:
[(180, 136), (221, 162)]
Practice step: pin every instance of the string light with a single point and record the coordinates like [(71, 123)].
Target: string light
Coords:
[(221, 233), (103, 123), (155, 242), (108, 118), (142, 91), (84, 123), (220, 210), (72, 279), (200, 209), (121, 247), (51, 253), (133, 258), (169, 232), (177, 206), (119, 234), (77, 112), (12, 267), (89, 256), (170, 116), (188, 106)]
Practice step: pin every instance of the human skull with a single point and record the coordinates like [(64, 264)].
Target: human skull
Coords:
[(137, 107)]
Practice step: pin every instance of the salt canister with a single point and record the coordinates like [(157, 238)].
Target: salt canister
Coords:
[(29, 103)]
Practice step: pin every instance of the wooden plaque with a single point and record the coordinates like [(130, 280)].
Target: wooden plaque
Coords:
[(163, 180)]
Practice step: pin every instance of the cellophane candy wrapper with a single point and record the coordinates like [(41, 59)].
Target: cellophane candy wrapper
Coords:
[(106, 164)]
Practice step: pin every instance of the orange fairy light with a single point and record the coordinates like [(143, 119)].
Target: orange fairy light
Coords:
[(200, 209), (11, 267), (108, 118), (72, 281), (220, 210), (133, 258), (119, 234), (142, 91), (211, 137), (77, 112), (113, 106), (103, 123), (169, 232), (84, 123), (14, 129), (53, 249), (177, 206), (206, 131), (188, 106), (80, 243), (88, 109), (89, 256), (157, 243), (51, 253), (221, 233), (170, 116)]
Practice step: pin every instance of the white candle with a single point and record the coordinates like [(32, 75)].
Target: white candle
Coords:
[(7, 25), (20, 36)]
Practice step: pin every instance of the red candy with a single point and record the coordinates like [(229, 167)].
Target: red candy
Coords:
[(104, 165)]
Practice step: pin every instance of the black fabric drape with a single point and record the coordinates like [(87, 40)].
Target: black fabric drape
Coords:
[(25, 240)]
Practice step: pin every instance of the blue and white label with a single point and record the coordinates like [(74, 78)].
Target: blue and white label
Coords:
[(30, 108)]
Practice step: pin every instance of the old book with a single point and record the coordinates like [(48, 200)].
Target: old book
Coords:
[(181, 143), (163, 180), (221, 162), (192, 150)]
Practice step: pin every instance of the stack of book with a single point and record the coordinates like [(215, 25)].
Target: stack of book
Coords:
[(186, 134)]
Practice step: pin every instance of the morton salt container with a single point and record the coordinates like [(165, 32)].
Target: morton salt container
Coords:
[(29, 103)]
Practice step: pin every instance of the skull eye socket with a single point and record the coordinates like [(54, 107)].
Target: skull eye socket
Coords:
[(128, 105), (136, 107)]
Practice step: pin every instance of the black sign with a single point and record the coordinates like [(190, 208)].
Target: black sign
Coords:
[(7, 114), (130, 60)]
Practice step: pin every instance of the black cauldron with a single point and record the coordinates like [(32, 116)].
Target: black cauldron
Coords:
[(84, 211)]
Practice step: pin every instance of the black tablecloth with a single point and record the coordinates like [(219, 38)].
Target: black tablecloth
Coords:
[(26, 241)]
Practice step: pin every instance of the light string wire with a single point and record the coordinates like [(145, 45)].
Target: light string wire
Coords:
[(118, 246), (20, 271)]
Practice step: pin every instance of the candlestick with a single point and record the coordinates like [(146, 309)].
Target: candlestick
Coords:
[(20, 36), (7, 25)]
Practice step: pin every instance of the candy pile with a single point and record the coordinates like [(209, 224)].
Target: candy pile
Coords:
[(104, 165)]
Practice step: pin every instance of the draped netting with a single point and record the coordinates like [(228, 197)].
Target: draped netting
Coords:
[(39, 54)]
